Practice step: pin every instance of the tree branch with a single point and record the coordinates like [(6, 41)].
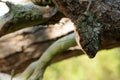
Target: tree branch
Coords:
[(94, 28), (20, 16), (30, 40)]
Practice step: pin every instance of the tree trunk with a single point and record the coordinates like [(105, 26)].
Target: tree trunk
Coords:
[(96, 21)]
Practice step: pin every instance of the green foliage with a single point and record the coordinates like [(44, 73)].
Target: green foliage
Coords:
[(105, 66)]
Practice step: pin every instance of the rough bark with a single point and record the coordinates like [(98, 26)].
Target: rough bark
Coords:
[(95, 23)]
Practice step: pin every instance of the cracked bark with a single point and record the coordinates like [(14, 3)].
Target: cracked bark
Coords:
[(95, 26)]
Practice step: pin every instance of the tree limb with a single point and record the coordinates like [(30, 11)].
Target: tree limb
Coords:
[(20, 16), (36, 40), (31, 40), (93, 31)]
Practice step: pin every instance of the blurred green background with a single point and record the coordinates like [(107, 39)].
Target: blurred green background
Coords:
[(105, 66)]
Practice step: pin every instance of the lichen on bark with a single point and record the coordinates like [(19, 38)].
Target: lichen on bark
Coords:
[(102, 17)]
